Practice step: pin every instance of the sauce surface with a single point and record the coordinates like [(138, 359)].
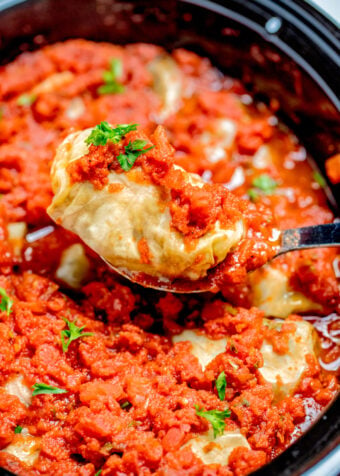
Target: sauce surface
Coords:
[(130, 389)]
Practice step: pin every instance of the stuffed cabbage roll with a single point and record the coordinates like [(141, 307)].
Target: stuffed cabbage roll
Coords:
[(122, 194)]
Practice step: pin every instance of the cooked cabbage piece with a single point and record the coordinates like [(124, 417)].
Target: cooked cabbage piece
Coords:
[(73, 266), (272, 294), (25, 447), (215, 145), (283, 371), (167, 83), (202, 347), (16, 234), (15, 386), (217, 450), (128, 221), (53, 83)]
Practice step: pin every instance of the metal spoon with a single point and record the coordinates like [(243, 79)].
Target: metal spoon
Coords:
[(294, 239)]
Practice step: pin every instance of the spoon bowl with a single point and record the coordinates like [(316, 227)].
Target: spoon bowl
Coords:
[(293, 239)]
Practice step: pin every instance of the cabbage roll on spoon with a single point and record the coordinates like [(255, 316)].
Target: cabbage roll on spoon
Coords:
[(120, 191)]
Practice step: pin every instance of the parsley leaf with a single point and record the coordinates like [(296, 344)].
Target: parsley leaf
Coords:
[(103, 132), (125, 405), (253, 194), (44, 389), (72, 333), (26, 99), (110, 77), (265, 183), (319, 179), (18, 429), (6, 302), (215, 417), (132, 151), (221, 385)]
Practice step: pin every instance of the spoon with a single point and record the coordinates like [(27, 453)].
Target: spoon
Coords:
[(293, 239)]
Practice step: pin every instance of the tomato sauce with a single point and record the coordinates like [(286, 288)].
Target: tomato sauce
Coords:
[(129, 405)]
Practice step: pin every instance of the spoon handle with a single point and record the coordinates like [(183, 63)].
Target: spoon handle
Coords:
[(310, 237)]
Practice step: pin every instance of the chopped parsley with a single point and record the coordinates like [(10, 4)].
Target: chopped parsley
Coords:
[(263, 183), (125, 405), (253, 194), (319, 179), (44, 389), (18, 429), (215, 417), (103, 133), (132, 151), (6, 302), (26, 99), (72, 333), (221, 385), (110, 77), (98, 472)]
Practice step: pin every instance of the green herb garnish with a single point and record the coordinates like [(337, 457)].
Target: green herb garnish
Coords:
[(215, 417), (110, 78), (18, 429), (319, 179), (98, 472), (72, 333), (103, 133), (6, 302), (263, 183), (132, 151), (125, 405), (221, 385), (26, 99), (44, 389), (253, 194)]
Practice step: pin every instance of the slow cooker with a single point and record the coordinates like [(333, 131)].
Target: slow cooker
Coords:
[(282, 49)]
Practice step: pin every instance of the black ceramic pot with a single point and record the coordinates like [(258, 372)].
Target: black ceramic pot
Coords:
[(279, 48)]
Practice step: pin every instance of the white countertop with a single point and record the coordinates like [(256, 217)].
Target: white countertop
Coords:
[(331, 7)]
